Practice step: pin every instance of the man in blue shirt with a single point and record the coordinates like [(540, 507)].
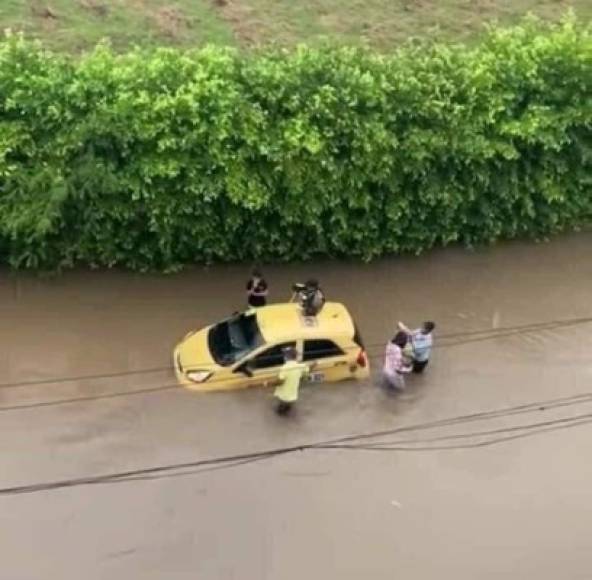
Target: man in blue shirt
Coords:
[(421, 341)]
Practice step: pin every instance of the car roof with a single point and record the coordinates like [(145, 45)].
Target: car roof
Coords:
[(279, 322)]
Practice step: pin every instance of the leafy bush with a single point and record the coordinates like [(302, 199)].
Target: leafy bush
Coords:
[(158, 159)]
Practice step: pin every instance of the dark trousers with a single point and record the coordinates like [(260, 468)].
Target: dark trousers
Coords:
[(283, 408), (419, 366)]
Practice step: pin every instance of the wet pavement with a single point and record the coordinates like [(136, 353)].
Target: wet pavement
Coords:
[(513, 328)]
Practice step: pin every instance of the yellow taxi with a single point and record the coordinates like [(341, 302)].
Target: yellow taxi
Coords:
[(247, 349)]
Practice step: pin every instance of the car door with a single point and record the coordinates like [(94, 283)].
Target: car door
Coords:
[(262, 369), (328, 359)]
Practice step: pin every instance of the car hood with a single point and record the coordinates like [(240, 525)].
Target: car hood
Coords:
[(193, 352)]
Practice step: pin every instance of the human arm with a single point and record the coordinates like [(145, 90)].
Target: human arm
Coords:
[(405, 368), (260, 289), (396, 361), (404, 328)]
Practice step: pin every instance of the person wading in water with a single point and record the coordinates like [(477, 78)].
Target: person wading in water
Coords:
[(395, 366), (421, 340), (291, 373)]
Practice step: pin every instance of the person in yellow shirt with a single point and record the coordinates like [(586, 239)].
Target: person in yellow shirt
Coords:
[(290, 376)]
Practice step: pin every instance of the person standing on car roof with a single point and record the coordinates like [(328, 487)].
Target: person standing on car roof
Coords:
[(290, 377), (257, 290)]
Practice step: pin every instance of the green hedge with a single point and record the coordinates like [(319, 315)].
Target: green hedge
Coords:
[(157, 159)]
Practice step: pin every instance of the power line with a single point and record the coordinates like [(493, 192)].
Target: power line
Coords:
[(199, 470), (473, 445), (157, 388), (165, 387), (173, 470), (39, 404), (76, 378), (490, 334), (478, 416), (515, 333), (519, 327), (124, 475), (585, 417), (118, 394), (444, 336)]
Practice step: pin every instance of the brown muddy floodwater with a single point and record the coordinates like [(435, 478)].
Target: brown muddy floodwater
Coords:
[(470, 500)]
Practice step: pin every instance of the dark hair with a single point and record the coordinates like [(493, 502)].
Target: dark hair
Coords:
[(400, 339), (312, 283), (428, 326), (256, 273)]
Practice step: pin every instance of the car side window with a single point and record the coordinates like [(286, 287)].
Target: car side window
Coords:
[(319, 348), (272, 357)]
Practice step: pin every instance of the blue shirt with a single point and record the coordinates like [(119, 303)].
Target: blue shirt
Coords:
[(422, 345)]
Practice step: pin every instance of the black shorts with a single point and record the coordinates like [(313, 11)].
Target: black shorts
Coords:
[(419, 366)]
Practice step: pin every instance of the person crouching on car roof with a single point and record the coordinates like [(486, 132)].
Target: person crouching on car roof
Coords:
[(290, 376), (310, 297)]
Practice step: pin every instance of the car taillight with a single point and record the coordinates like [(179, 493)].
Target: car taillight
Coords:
[(362, 361)]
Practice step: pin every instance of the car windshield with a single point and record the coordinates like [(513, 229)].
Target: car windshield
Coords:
[(231, 340)]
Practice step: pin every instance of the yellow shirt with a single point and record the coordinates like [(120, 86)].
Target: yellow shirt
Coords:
[(290, 375)]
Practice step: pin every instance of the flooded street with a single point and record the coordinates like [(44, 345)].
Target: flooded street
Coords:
[(514, 328)]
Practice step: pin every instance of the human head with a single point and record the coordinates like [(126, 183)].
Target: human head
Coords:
[(256, 273), (428, 327), (312, 283), (400, 339), (289, 353)]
